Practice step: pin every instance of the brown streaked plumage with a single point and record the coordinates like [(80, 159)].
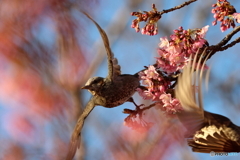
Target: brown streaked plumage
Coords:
[(206, 131), (109, 92)]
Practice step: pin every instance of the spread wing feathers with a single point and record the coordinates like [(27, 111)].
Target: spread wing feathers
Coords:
[(192, 116), (113, 68), (217, 139), (75, 139)]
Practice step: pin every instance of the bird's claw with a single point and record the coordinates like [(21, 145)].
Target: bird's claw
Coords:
[(138, 111)]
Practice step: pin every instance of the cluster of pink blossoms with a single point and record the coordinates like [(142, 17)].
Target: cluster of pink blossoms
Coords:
[(150, 17), (173, 56), (156, 90), (155, 84), (225, 13), (170, 105), (175, 53), (157, 79)]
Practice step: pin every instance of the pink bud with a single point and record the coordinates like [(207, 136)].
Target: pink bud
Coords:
[(137, 29), (214, 23), (223, 28), (153, 5), (175, 31), (143, 30), (214, 5), (133, 13), (213, 11), (180, 28)]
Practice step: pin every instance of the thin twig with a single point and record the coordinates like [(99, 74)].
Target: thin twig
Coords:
[(231, 44), (148, 107), (220, 46), (177, 7)]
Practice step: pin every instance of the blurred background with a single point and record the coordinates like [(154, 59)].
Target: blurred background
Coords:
[(48, 50)]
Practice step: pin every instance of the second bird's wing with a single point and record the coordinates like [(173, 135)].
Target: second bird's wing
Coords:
[(192, 116), (114, 68)]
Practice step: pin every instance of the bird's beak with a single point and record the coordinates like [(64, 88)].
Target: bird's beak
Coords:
[(86, 87)]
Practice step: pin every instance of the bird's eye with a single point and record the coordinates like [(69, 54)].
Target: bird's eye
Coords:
[(98, 81)]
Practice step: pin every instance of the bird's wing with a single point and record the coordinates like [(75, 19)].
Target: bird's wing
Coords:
[(192, 116), (113, 68), (75, 139)]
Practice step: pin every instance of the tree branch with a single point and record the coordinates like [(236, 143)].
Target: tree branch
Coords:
[(220, 46), (177, 7), (225, 40)]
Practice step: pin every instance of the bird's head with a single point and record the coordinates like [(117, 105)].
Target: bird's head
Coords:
[(94, 84)]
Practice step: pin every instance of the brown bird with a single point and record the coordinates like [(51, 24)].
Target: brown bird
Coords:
[(206, 131), (109, 92)]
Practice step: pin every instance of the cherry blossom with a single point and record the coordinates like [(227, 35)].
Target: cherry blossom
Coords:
[(169, 104), (174, 53), (223, 12), (237, 17), (151, 18)]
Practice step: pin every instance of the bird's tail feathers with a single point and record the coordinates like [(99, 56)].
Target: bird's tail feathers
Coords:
[(212, 138)]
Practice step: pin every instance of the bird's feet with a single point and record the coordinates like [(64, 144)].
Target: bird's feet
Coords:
[(135, 118), (138, 110)]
